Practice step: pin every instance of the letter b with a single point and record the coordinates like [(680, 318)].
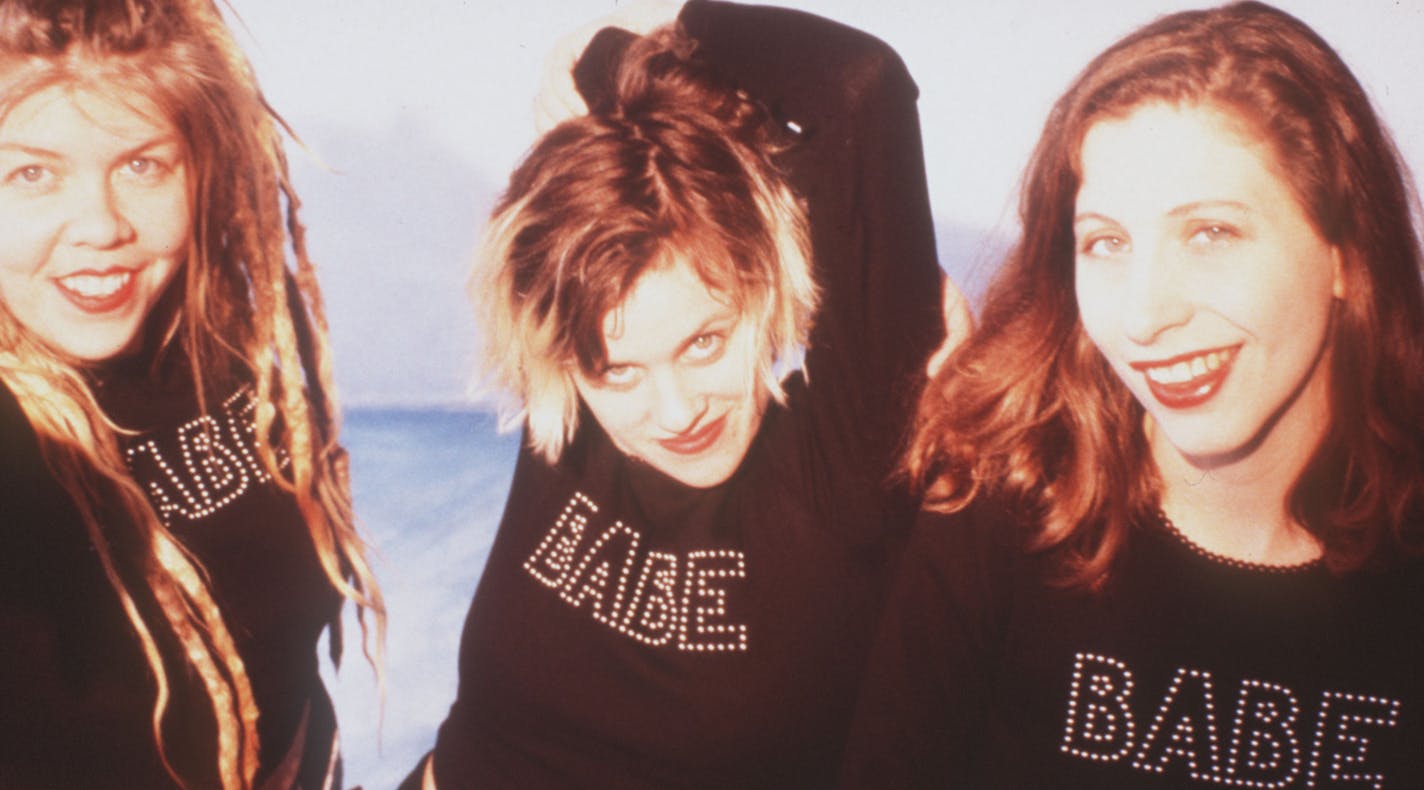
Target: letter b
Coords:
[(1100, 725)]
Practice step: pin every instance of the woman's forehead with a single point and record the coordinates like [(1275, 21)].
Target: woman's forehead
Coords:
[(88, 79), (666, 298)]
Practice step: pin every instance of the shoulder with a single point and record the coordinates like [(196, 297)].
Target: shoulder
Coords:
[(970, 554), (984, 527), (43, 526), (21, 457)]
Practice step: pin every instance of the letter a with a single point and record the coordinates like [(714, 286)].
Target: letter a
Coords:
[(1185, 727), (613, 553)]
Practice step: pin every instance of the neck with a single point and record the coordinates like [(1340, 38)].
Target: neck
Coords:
[(1237, 506)]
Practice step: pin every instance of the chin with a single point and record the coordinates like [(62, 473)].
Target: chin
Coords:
[(704, 470), (1204, 447), (700, 475), (91, 351)]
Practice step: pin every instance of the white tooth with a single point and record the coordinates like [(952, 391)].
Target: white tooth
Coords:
[(92, 285), (1198, 367), (1181, 372), (1213, 361)]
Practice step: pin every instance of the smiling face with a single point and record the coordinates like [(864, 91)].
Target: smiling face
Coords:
[(679, 388), (94, 217), (1203, 283)]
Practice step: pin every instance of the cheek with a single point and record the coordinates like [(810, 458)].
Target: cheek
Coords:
[(171, 265), (26, 236), (20, 278), (1284, 303), (617, 412), (729, 378), (167, 223), (1098, 305)]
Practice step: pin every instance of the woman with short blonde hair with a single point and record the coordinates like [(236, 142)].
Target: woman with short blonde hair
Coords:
[(693, 549)]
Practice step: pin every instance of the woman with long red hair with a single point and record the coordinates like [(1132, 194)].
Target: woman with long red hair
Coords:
[(1173, 482)]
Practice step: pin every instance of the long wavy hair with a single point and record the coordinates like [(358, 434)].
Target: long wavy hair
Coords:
[(673, 165), (1029, 411), (242, 313)]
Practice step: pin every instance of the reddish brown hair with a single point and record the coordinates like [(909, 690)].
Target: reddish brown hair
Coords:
[(1028, 410), (675, 166)]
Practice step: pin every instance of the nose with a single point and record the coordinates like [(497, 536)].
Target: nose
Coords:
[(677, 405), (97, 218), (1156, 298)]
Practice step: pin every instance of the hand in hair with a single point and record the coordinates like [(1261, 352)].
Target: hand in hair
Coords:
[(958, 324), (558, 99)]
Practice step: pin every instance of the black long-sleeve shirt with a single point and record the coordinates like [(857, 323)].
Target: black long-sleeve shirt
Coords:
[(1184, 670), (630, 631), (77, 692)]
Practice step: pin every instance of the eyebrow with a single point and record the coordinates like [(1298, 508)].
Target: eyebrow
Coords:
[(1200, 205), (34, 150), (1087, 215), (1177, 212), (29, 149)]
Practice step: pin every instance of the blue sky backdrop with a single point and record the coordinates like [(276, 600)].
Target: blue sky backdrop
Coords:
[(416, 112)]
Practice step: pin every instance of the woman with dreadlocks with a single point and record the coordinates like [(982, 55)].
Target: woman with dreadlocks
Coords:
[(176, 509)]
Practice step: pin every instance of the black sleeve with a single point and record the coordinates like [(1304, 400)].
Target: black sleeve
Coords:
[(920, 717), (860, 169)]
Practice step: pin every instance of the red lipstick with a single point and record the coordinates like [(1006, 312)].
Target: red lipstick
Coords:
[(1187, 380), (696, 440)]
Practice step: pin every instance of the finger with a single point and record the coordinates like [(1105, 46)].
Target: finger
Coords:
[(958, 325), (552, 108)]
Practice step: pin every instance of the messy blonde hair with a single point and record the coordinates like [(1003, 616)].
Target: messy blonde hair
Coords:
[(241, 314), (674, 166)]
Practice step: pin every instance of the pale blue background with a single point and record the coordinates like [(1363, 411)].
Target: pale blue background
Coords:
[(420, 109), (414, 114)]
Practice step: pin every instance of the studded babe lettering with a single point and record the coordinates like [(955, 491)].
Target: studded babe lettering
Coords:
[(202, 466), (658, 598), (1262, 741)]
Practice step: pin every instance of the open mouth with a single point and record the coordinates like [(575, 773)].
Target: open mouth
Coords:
[(98, 292), (1190, 379), (697, 440)]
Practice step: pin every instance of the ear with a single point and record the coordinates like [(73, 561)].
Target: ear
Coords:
[(1337, 282)]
